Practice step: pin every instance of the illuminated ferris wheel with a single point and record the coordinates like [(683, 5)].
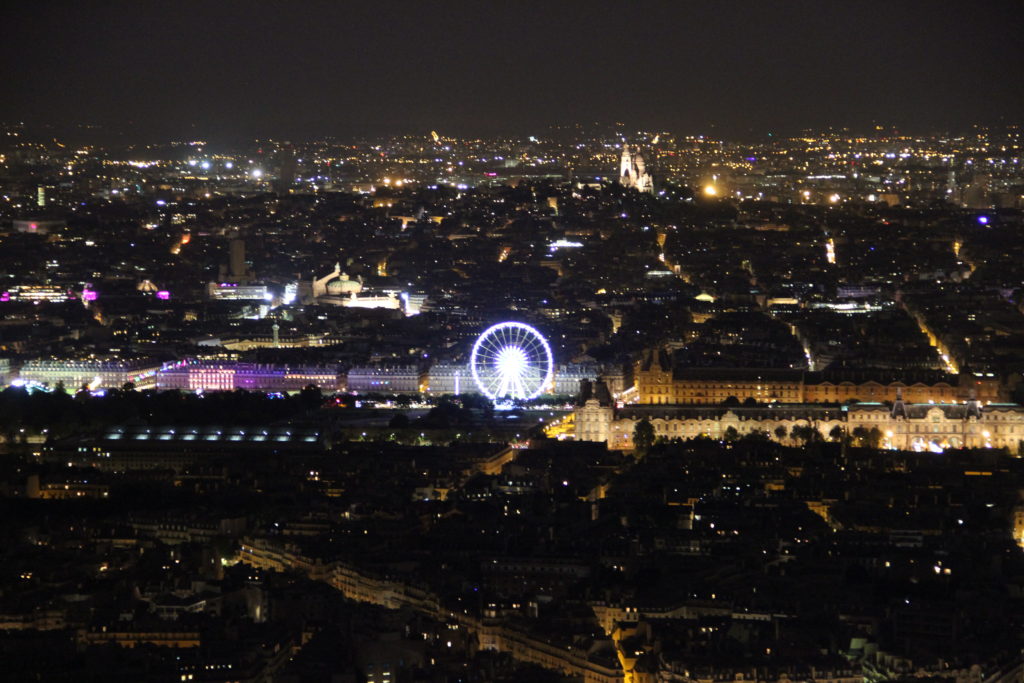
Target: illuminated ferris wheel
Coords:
[(511, 361)]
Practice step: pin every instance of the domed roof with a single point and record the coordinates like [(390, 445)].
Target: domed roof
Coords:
[(343, 285)]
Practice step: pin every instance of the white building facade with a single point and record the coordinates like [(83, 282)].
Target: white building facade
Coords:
[(902, 426)]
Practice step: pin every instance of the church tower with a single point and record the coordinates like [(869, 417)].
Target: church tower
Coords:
[(633, 170), (626, 167)]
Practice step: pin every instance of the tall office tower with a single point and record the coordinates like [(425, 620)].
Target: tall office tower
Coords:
[(237, 258), (952, 189), (286, 168), (236, 271), (633, 170)]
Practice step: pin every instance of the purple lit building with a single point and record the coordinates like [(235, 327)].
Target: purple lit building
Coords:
[(197, 375)]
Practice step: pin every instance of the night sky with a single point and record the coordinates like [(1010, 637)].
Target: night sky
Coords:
[(303, 69)]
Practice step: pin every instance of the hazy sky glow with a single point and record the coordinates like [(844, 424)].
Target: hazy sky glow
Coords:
[(306, 69)]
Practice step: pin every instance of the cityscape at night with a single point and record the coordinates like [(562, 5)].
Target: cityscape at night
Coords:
[(468, 343)]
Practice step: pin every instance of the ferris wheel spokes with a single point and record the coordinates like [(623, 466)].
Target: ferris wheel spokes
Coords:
[(511, 360)]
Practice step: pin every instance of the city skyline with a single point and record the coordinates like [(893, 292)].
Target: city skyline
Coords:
[(512, 342)]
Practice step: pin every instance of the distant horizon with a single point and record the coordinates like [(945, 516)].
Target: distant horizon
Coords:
[(127, 135)]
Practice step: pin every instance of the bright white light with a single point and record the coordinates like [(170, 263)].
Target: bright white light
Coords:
[(512, 364), (205, 165), (192, 162), (229, 164), (511, 360), (290, 293), (257, 173)]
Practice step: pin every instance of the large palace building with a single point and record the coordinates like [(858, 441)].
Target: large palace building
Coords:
[(926, 411), (657, 382), (901, 425)]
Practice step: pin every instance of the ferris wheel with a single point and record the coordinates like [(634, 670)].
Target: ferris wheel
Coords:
[(511, 361)]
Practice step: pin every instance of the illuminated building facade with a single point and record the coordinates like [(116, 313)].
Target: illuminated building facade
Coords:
[(211, 379), (658, 383), (96, 374), (231, 291), (228, 376), (338, 289), (904, 426), (399, 379), (633, 170), (272, 341), (1018, 524), (449, 378), (569, 377), (336, 284), (936, 427), (37, 293)]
